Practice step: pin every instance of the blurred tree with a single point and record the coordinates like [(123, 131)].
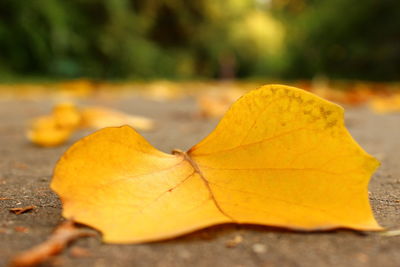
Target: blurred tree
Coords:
[(341, 38), (203, 38), (137, 39)]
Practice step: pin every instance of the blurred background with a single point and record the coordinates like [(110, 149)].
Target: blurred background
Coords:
[(202, 39)]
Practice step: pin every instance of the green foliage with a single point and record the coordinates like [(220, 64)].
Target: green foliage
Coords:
[(133, 39), (204, 38), (342, 38), (124, 38)]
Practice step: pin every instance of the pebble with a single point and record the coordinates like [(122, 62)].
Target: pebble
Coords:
[(259, 248)]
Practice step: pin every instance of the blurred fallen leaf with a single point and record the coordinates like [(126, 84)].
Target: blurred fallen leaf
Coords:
[(280, 156), (99, 117), (388, 104), (329, 93), (214, 103), (349, 93), (77, 88), (67, 115), (21, 229), (162, 91), (66, 118), (45, 131)]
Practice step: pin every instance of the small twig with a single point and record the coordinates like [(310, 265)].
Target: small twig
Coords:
[(22, 209), (55, 244)]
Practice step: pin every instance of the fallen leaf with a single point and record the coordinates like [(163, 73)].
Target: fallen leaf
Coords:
[(77, 88), (62, 236), (162, 91), (388, 104), (98, 117), (56, 128), (21, 210), (21, 229), (280, 156), (214, 103), (45, 131), (67, 115)]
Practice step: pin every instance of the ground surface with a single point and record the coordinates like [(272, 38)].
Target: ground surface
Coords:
[(25, 172)]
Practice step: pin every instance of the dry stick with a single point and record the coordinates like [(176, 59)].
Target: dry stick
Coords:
[(19, 211), (55, 244)]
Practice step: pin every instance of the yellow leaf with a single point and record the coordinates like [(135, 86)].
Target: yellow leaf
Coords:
[(162, 91), (57, 128), (214, 103), (67, 115), (280, 157), (77, 88), (66, 118), (383, 105), (98, 117), (46, 132)]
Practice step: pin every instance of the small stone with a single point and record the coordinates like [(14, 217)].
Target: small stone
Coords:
[(259, 248), (236, 240)]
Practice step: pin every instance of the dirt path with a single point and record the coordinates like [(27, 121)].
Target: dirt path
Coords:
[(25, 171)]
